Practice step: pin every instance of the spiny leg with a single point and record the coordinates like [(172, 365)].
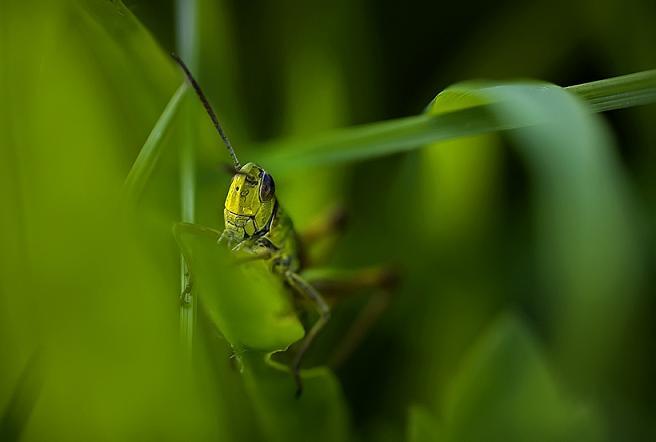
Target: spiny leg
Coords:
[(305, 289)]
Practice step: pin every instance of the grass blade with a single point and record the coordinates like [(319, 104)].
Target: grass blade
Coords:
[(618, 92), (147, 159), (380, 139), (187, 42), (395, 136), (588, 252)]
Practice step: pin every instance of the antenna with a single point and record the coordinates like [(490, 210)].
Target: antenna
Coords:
[(208, 109)]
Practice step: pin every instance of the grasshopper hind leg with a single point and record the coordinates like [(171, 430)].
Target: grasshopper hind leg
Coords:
[(337, 285), (305, 289)]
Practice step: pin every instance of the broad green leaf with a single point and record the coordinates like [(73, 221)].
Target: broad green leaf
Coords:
[(251, 308), (247, 302)]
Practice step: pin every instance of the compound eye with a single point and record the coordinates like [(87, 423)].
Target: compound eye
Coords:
[(267, 187)]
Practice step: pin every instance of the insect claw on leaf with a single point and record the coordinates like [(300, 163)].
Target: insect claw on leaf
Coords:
[(185, 296)]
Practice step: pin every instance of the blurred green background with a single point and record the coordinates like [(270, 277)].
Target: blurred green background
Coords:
[(526, 304)]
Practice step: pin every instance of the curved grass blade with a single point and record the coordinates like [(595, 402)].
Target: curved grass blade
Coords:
[(585, 219), (395, 136), (149, 154), (380, 139)]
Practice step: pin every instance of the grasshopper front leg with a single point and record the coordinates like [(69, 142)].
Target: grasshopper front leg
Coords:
[(304, 288)]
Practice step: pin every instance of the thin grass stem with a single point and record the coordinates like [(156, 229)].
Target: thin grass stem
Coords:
[(187, 42)]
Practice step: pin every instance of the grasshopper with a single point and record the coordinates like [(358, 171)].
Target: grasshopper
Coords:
[(257, 227)]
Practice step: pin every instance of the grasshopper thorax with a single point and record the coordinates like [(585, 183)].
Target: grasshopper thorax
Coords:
[(251, 203)]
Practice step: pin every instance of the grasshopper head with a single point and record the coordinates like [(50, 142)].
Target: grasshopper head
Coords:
[(250, 204)]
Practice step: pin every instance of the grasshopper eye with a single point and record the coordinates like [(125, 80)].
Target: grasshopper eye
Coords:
[(267, 187)]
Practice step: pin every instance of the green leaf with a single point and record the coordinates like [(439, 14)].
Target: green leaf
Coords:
[(247, 302), (252, 309)]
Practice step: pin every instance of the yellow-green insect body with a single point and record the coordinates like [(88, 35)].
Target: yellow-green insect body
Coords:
[(256, 227)]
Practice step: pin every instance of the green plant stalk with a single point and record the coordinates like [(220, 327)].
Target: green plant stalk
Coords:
[(187, 15)]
